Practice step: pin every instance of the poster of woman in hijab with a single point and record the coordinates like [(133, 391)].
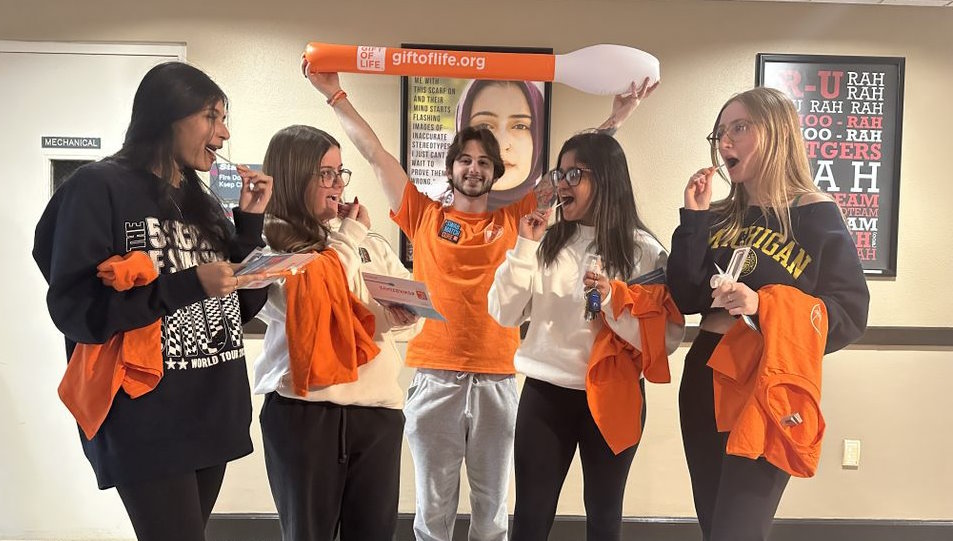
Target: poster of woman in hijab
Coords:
[(435, 108)]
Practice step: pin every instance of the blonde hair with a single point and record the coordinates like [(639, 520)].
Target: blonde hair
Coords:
[(784, 172), (293, 157)]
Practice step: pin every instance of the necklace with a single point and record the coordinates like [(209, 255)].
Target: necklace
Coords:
[(181, 215), (173, 194)]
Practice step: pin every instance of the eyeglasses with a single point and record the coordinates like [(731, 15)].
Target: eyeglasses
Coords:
[(735, 131), (327, 176), (572, 175)]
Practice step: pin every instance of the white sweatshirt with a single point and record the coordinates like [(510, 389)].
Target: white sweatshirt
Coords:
[(376, 384), (559, 340)]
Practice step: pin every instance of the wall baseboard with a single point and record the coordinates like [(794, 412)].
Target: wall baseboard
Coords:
[(928, 337), (264, 527)]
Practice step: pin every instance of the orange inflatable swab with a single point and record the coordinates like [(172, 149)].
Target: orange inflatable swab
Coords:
[(598, 69)]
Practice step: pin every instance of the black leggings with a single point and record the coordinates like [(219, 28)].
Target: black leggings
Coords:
[(175, 507), (735, 497), (550, 423)]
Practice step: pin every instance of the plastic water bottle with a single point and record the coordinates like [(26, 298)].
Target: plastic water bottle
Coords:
[(593, 297)]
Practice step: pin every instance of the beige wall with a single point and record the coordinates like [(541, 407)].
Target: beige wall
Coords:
[(884, 398), (706, 47), (707, 50)]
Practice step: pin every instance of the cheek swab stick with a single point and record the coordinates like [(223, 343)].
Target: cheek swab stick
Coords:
[(251, 185), (223, 158)]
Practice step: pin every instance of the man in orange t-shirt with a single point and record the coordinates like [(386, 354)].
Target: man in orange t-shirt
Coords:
[(462, 402)]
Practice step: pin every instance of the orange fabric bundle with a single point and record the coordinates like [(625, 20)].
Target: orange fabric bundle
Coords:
[(734, 362), (131, 359), (768, 386), (615, 367), (330, 333)]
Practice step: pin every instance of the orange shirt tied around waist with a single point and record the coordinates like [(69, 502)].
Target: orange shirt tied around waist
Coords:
[(456, 254), (330, 333), (768, 385), (615, 367), (131, 359)]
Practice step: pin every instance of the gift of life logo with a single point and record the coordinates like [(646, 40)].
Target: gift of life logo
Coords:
[(817, 316)]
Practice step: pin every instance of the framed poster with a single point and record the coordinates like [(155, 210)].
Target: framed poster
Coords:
[(433, 109), (851, 112)]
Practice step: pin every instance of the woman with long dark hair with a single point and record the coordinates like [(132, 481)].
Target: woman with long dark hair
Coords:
[(166, 450), (546, 280)]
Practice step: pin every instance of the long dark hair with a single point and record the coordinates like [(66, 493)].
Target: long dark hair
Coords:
[(170, 92), (293, 157), (612, 209)]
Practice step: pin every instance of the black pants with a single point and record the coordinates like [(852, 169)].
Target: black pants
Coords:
[(332, 469), (550, 423), (735, 497), (174, 507)]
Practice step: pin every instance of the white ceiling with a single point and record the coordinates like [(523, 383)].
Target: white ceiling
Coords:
[(925, 3)]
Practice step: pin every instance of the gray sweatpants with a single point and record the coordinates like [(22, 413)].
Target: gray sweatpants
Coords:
[(452, 417)]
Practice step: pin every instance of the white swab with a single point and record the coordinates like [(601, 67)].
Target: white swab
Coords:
[(251, 185)]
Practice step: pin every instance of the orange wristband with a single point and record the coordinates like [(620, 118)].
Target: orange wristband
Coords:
[(336, 97)]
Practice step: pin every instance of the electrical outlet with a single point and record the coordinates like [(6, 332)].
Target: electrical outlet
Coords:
[(851, 454)]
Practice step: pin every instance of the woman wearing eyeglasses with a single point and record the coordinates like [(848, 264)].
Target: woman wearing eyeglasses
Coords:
[(545, 279), (801, 254), (332, 445)]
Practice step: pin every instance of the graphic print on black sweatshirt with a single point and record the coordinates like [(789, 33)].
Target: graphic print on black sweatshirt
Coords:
[(789, 255), (204, 333)]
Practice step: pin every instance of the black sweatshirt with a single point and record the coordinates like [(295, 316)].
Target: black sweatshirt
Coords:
[(200, 412), (819, 258)]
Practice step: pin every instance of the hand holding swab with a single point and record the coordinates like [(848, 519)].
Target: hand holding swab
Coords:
[(730, 276), (251, 185)]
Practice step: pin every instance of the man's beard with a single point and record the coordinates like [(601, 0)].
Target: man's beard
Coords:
[(460, 185)]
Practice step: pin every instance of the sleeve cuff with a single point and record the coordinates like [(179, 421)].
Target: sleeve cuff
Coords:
[(410, 191), (181, 289), (525, 248), (693, 218), (248, 226), (607, 302), (353, 230)]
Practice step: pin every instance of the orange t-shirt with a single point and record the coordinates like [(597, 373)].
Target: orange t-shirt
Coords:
[(456, 255)]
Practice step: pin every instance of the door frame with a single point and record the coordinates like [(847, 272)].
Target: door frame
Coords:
[(95, 48)]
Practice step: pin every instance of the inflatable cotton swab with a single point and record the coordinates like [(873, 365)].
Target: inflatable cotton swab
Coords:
[(597, 69)]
